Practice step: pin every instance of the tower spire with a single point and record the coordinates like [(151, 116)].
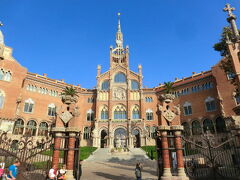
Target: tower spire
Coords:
[(1, 35), (119, 35), (232, 20), (119, 24)]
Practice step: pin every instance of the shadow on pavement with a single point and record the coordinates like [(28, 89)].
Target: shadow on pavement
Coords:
[(110, 176)]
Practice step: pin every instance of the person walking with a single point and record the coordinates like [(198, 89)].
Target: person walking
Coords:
[(138, 171), (13, 170)]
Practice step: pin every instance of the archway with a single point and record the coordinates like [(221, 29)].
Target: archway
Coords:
[(136, 140), (103, 138), (120, 138)]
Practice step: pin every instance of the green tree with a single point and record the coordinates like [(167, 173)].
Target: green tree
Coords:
[(69, 91), (168, 87), (221, 46)]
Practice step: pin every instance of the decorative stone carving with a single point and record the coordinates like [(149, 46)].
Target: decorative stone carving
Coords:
[(167, 98), (177, 109), (160, 108), (119, 94), (67, 99), (76, 112), (169, 115), (66, 116)]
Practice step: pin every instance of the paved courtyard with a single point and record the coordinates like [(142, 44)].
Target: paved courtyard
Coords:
[(103, 165)]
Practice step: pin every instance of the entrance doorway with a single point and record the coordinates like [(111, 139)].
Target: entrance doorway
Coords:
[(120, 138), (136, 138), (103, 138)]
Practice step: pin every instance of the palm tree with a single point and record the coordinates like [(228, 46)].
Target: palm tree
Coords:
[(168, 87), (69, 91), (69, 95)]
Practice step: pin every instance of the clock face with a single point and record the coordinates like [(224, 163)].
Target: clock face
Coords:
[(119, 41)]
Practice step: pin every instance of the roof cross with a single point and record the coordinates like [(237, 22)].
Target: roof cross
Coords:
[(229, 9)]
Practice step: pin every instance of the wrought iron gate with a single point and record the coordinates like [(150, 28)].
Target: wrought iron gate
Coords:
[(34, 156), (209, 159)]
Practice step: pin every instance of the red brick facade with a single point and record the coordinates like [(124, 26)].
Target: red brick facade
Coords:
[(121, 102)]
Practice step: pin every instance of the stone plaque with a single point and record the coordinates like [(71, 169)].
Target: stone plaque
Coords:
[(169, 115), (66, 116), (119, 94)]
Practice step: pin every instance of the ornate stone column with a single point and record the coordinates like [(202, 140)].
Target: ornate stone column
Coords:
[(179, 151), (165, 152)]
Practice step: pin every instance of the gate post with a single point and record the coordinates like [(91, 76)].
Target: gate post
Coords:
[(177, 129), (71, 150), (57, 144), (165, 152)]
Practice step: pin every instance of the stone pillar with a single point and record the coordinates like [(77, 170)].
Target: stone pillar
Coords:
[(70, 157), (57, 146), (130, 141), (165, 153), (178, 146)]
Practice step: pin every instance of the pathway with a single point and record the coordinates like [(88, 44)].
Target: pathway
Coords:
[(102, 165)]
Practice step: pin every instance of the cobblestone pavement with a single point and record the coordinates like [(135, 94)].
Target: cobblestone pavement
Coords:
[(102, 165)]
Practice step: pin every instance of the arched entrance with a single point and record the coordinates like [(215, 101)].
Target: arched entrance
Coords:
[(103, 138), (136, 138), (120, 138)]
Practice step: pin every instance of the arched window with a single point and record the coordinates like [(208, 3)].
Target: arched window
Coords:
[(153, 132), (208, 125), (43, 129), (18, 127), (149, 114), (196, 128), (120, 78), (87, 133), (135, 113), (104, 113), (1, 74), (90, 115), (210, 104), (148, 99), (31, 128), (105, 85), (187, 108), (1, 99), (7, 76), (120, 112), (51, 109), (134, 85), (28, 106), (220, 125), (186, 131)]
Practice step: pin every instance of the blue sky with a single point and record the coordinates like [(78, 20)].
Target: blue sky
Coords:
[(67, 39)]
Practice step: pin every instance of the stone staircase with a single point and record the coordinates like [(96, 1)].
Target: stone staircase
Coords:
[(104, 155)]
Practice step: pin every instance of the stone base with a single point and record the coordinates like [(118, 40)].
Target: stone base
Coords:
[(167, 175), (181, 172), (175, 178), (69, 175)]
